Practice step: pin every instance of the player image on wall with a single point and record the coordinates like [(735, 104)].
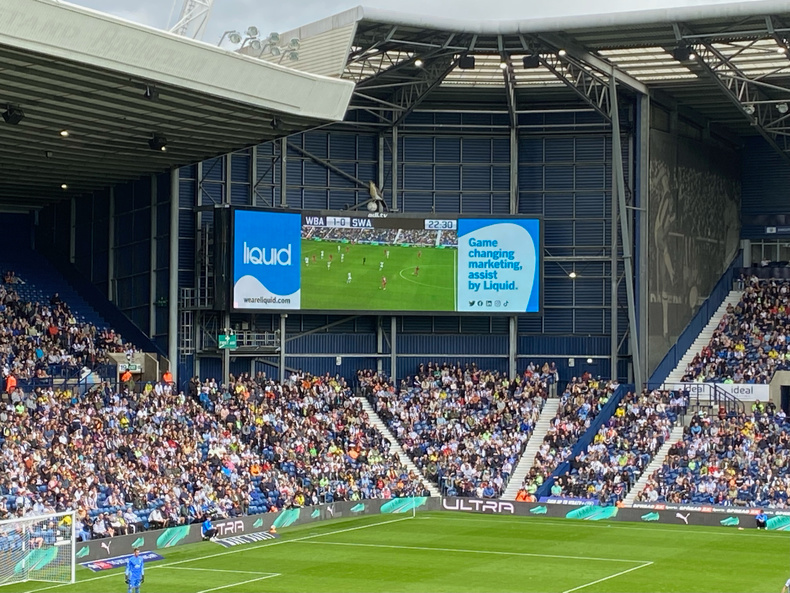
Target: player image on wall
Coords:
[(355, 261)]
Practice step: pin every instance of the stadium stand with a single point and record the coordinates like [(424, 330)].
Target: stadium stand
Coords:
[(463, 427), (728, 460), (129, 461), (751, 340), (580, 403), (44, 338), (622, 448)]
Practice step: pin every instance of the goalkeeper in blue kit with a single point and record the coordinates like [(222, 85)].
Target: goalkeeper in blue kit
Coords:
[(135, 572)]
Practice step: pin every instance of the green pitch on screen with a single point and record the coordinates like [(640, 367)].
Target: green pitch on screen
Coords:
[(432, 288)]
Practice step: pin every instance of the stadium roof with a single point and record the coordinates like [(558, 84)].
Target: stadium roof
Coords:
[(380, 49), (70, 68)]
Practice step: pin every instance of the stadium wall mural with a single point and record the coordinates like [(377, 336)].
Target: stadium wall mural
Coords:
[(694, 207)]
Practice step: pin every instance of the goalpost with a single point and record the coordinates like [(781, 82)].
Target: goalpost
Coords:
[(39, 548)]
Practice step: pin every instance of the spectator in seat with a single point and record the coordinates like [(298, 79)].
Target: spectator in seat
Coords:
[(118, 523), (133, 523), (156, 520)]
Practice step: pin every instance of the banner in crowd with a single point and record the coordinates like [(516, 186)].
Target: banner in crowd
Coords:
[(743, 391)]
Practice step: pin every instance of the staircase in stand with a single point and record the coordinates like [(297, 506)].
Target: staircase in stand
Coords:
[(533, 445), (675, 436), (703, 339), (395, 447)]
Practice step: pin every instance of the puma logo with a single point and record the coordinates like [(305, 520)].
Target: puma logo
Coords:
[(684, 518), (106, 546)]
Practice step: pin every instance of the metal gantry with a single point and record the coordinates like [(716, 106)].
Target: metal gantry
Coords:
[(766, 104), (193, 19)]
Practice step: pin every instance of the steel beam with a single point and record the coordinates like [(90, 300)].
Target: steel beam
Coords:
[(435, 71), (581, 55), (586, 83), (760, 102), (172, 295), (625, 232)]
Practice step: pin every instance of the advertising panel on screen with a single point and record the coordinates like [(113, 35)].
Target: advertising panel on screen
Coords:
[(318, 261)]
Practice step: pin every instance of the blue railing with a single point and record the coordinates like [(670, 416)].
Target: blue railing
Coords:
[(696, 325), (587, 438)]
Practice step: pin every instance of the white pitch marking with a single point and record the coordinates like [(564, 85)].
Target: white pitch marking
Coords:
[(269, 576), (607, 578), (465, 551)]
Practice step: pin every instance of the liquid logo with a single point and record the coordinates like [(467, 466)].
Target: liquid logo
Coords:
[(267, 257)]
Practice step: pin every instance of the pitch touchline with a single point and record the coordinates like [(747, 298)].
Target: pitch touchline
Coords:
[(244, 549), (566, 523), (611, 576), (269, 576), (466, 551)]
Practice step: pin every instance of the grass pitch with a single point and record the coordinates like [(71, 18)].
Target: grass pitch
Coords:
[(459, 552), (433, 288)]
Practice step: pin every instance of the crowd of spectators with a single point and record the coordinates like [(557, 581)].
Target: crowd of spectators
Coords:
[(37, 339), (751, 341), (128, 461), (418, 237), (729, 460), (580, 403), (621, 450), (463, 427)]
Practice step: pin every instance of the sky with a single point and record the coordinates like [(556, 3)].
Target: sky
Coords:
[(283, 15)]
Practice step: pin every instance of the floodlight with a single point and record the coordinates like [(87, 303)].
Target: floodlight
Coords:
[(572, 275), (252, 31), (275, 50), (749, 109), (64, 133), (561, 53), (256, 44), (589, 361), (294, 43), (466, 62), (782, 108), (683, 53), (274, 37), (151, 93), (531, 62), (13, 115), (293, 55), (64, 186), (781, 50), (234, 37), (418, 62), (158, 142), (503, 65)]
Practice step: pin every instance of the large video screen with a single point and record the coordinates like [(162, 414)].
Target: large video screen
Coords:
[(360, 262)]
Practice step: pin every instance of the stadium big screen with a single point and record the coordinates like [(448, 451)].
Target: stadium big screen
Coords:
[(360, 262)]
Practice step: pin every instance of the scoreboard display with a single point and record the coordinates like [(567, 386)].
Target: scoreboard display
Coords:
[(373, 262)]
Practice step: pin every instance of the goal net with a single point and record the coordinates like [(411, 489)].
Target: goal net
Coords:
[(39, 548)]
